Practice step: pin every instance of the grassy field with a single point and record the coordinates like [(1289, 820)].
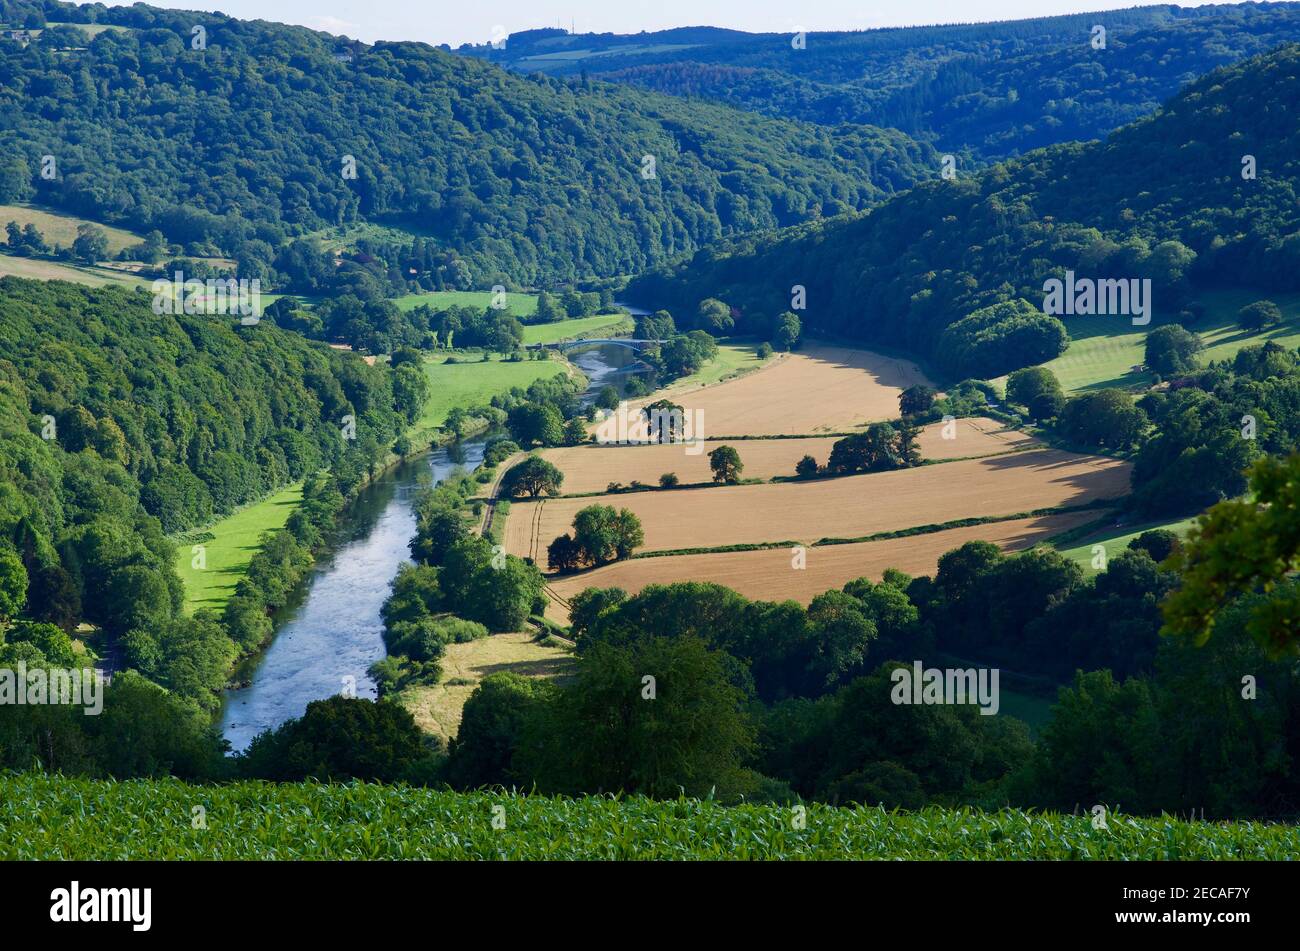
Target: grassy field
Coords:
[(733, 359), (1104, 350), (51, 817), (573, 328), (521, 305), (40, 270), (475, 382), (59, 228), (437, 709), (234, 542), (1115, 539)]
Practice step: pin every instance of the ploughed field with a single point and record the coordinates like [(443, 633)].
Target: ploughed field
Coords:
[(817, 389), (844, 507), (592, 468), (770, 574)]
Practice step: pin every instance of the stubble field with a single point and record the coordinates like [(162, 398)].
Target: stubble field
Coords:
[(770, 575), (846, 507)]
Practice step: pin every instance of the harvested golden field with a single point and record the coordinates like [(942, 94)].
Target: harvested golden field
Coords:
[(818, 389), (592, 468), (768, 575), (437, 709), (847, 507)]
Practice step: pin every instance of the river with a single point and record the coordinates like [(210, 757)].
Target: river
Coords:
[(330, 633)]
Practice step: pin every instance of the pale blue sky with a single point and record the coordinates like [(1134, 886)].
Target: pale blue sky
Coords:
[(473, 21)]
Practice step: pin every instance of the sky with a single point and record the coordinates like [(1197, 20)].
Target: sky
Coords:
[(474, 21)]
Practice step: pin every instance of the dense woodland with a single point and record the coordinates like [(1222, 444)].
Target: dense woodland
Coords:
[(236, 147), (122, 426), (990, 90), (1164, 198)]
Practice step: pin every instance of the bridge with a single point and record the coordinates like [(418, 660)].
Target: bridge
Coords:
[(631, 343)]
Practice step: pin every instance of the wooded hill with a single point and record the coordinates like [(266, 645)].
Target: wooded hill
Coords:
[(992, 89), (1163, 198), (233, 148)]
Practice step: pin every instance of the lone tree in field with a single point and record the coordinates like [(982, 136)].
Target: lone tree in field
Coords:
[(916, 399), (669, 480), (533, 476), (603, 535), (726, 465), (665, 421), (1259, 315), (872, 451), (1172, 349), (564, 555)]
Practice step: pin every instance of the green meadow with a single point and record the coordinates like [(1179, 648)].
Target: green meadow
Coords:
[(733, 359), (521, 305), (60, 228), (574, 328), (1107, 351), (472, 382), (229, 545), (1115, 539)]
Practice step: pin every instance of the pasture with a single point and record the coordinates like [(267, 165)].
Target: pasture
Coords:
[(473, 382), (234, 541), (437, 708), (59, 228), (1108, 351)]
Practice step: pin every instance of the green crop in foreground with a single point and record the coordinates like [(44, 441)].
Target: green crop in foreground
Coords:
[(49, 817)]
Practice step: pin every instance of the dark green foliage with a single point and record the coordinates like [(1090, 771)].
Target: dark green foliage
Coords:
[(492, 727), (1105, 419), (338, 740), (1172, 349), (877, 449), (167, 736), (660, 718), (1159, 543), (1001, 337), (726, 465), (533, 476), (1260, 315), (603, 534)]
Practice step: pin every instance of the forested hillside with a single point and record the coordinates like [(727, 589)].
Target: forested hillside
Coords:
[(120, 426), (995, 89), (251, 140), (1165, 198)]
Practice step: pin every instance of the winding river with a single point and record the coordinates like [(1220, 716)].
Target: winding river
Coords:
[(330, 633)]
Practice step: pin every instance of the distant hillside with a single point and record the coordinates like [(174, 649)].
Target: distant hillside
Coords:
[(1163, 198), (233, 148), (995, 89)]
